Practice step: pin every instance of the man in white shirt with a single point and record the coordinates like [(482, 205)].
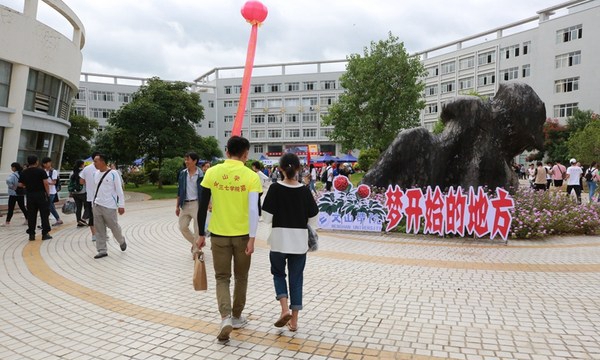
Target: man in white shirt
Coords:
[(87, 179), (329, 182), (188, 196), (108, 200), (52, 193), (574, 173)]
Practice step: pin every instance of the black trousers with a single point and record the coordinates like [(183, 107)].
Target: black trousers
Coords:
[(80, 202), (38, 202), (12, 201), (577, 189)]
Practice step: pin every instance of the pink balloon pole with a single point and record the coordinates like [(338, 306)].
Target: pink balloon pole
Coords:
[(255, 13)]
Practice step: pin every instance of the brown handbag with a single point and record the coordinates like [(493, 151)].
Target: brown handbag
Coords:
[(199, 280)]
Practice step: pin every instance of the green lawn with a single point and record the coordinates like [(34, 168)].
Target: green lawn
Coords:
[(167, 192)]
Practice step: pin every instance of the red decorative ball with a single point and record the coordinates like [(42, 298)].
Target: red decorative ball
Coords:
[(341, 183), (363, 191), (254, 12)]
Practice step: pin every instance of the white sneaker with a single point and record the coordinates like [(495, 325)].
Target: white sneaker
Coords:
[(225, 330), (238, 323)]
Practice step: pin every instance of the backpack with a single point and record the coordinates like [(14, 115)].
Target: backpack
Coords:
[(74, 185), (588, 175), (324, 175)]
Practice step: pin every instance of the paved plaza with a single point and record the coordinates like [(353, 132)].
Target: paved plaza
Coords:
[(366, 297)]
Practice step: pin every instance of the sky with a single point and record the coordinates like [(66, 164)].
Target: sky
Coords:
[(183, 39)]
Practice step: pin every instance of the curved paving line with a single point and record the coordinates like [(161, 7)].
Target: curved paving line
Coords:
[(403, 241), (40, 269)]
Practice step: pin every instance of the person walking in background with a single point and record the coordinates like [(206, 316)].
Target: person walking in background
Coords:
[(591, 175), (289, 207), (16, 194), (87, 179), (53, 179), (35, 181), (548, 174), (574, 173), (330, 175), (188, 195), (540, 177), (107, 201), (234, 190), (264, 181), (78, 192), (313, 180), (559, 173)]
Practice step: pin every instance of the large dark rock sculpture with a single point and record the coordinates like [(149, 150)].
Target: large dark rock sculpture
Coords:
[(476, 148)]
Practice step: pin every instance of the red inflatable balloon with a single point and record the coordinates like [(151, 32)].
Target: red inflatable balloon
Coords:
[(254, 12)]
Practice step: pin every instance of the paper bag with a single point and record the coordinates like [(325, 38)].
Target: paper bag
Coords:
[(199, 279)]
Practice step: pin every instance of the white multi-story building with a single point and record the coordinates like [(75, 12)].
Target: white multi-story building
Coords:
[(555, 54), (39, 75), (558, 58)]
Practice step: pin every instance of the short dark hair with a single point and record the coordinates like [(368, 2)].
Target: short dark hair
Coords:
[(32, 159), (94, 154), (257, 165), (192, 155), (17, 166), (236, 145), (46, 160), (101, 156), (289, 163)]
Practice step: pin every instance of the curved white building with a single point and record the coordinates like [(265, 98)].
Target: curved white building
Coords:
[(39, 76)]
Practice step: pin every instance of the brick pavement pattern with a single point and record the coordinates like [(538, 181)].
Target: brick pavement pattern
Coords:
[(367, 296)]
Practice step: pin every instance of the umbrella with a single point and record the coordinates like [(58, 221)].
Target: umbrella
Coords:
[(347, 158), (262, 157), (326, 158)]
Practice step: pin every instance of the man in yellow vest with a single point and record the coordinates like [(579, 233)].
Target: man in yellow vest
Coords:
[(234, 190)]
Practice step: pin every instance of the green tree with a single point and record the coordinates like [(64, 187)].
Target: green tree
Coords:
[(584, 144), (383, 95), (117, 145), (77, 146), (555, 141), (207, 148), (580, 119), (160, 119), (367, 158)]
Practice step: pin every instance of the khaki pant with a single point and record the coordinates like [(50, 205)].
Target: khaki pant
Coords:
[(106, 217), (223, 250), (188, 213)]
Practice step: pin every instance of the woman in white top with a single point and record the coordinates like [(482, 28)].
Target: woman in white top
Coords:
[(313, 179), (289, 206)]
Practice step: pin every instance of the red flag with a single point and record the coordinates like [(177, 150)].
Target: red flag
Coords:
[(308, 157)]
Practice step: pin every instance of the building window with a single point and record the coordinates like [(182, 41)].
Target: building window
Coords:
[(237, 89), (510, 51), (447, 87), (566, 85), (465, 83), (292, 133), (5, 73), (569, 34), (526, 70), (466, 63), (486, 58), (257, 134), (526, 46), (291, 118), (228, 90), (274, 103), (274, 87), (328, 85), (227, 133), (260, 88), (100, 113), (432, 71), (211, 124), (273, 118), (125, 97), (80, 111), (257, 104), (80, 94), (509, 74), (294, 86), (449, 67), (309, 85), (486, 79), (228, 118), (431, 90), (309, 101), (326, 133), (290, 102), (258, 119), (309, 117), (431, 108), (258, 148), (228, 103), (564, 110), (211, 103), (327, 100), (102, 96), (309, 133), (274, 133), (568, 59)]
